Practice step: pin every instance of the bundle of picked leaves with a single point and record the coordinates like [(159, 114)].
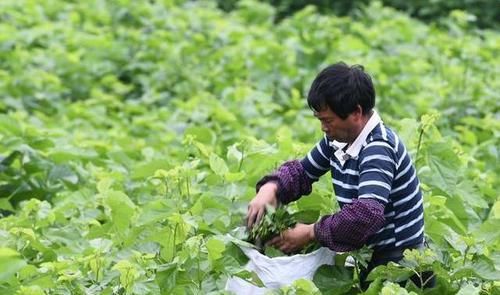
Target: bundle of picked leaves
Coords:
[(270, 225)]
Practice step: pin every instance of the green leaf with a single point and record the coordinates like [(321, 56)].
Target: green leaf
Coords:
[(395, 289), (251, 277), (235, 253), (272, 252), (181, 224), (482, 268), (6, 205), (469, 289), (218, 165), (166, 278), (153, 212), (333, 279), (165, 237), (444, 164), (306, 216), (7, 161), (466, 190), (205, 202), (31, 290), (62, 173), (495, 210), (302, 286), (488, 231), (223, 115), (101, 245), (203, 135), (215, 249), (234, 154), (128, 273), (143, 170), (235, 177), (10, 263), (122, 209), (391, 271), (9, 125), (456, 215), (375, 287)]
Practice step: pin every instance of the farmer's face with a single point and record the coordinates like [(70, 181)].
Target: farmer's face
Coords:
[(336, 128)]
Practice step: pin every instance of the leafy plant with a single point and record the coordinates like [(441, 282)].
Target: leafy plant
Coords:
[(272, 224), (133, 133)]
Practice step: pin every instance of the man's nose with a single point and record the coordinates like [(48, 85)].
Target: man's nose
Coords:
[(324, 128)]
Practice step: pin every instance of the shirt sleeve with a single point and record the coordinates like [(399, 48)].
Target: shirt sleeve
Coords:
[(350, 228), (295, 178), (317, 161), (376, 171), (291, 180)]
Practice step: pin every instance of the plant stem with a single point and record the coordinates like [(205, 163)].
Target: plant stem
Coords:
[(420, 278), (166, 187), (179, 187), (98, 267), (357, 271), (175, 234), (242, 158), (465, 255), (127, 279), (420, 136), (199, 274), (426, 281)]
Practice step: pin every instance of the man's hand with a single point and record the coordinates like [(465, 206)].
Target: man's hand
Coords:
[(257, 207), (294, 239)]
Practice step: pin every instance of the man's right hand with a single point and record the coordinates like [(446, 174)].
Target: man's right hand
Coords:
[(257, 207)]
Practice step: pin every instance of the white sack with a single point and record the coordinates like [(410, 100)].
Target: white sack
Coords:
[(279, 271)]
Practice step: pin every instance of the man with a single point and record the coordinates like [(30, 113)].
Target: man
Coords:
[(373, 176)]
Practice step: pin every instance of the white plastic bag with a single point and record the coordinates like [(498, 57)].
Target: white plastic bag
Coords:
[(279, 271)]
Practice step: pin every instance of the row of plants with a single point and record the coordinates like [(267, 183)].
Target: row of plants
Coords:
[(133, 133), (481, 13)]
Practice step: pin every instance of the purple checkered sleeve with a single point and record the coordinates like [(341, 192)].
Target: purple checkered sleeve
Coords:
[(344, 231), (349, 228), (292, 181)]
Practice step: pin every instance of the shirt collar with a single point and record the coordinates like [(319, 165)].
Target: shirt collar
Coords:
[(354, 149)]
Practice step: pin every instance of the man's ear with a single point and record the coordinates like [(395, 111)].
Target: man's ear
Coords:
[(358, 113)]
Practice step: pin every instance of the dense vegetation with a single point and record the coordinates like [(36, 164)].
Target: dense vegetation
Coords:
[(481, 13), (133, 133)]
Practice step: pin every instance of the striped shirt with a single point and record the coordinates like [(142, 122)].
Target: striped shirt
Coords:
[(376, 166)]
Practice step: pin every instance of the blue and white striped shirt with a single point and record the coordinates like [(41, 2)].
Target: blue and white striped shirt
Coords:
[(376, 166)]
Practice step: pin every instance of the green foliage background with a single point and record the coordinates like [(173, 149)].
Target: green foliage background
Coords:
[(484, 13), (133, 133)]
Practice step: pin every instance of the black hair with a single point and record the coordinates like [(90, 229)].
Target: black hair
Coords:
[(341, 88)]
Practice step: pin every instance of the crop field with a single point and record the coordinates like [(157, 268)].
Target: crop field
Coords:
[(133, 133)]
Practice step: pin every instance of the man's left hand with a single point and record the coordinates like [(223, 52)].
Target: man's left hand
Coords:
[(294, 239)]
